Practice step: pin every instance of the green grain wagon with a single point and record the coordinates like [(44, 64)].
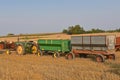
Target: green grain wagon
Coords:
[(56, 47)]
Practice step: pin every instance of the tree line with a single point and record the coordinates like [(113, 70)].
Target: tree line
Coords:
[(77, 29)]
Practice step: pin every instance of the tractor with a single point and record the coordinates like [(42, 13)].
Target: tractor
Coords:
[(7, 47), (24, 47)]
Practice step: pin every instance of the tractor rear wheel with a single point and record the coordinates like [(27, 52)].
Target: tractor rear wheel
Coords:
[(34, 49), (20, 50), (100, 58), (70, 56)]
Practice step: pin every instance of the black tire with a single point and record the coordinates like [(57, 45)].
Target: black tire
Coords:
[(117, 49), (56, 54), (34, 49), (20, 50), (70, 56), (40, 53), (100, 58)]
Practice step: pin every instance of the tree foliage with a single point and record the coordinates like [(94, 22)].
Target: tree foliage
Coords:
[(77, 29), (10, 34), (95, 31)]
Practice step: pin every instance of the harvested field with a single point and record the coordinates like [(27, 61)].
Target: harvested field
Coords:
[(33, 67)]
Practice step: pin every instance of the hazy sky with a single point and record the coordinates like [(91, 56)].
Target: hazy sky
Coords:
[(43, 16)]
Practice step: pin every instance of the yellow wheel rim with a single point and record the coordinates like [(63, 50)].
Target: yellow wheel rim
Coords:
[(19, 50), (34, 49), (39, 54), (7, 52), (54, 55)]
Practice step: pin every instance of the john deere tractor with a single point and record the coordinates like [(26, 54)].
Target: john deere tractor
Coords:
[(26, 47)]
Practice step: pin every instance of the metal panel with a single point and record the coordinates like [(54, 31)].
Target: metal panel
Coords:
[(111, 42), (86, 40), (76, 40), (77, 47), (87, 47), (99, 48), (117, 40), (93, 42), (98, 40)]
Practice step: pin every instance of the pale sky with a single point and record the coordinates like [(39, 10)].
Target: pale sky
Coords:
[(44, 16)]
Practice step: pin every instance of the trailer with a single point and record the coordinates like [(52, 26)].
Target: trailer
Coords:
[(55, 47), (117, 46), (101, 46)]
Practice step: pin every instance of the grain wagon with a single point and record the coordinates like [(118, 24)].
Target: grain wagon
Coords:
[(101, 46), (56, 47)]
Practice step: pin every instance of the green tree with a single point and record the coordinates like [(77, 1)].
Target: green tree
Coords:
[(95, 31), (10, 34), (77, 29), (117, 30), (65, 31)]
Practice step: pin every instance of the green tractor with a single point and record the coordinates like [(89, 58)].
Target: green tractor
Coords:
[(26, 47)]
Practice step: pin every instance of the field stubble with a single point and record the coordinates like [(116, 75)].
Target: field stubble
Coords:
[(32, 67)]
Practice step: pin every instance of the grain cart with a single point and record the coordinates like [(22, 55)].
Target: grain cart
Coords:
[(56, 47), (23, 47), (101, 46)]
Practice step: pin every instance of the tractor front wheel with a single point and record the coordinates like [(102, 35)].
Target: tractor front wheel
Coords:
[(34, 49), (8, 52)]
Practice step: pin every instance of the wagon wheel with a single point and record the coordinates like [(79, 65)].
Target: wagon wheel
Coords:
[(20, 50), (117, 49), (34, 49), (100, 58), (111, 56), (40, 53), (56, 54), (70, 56)]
